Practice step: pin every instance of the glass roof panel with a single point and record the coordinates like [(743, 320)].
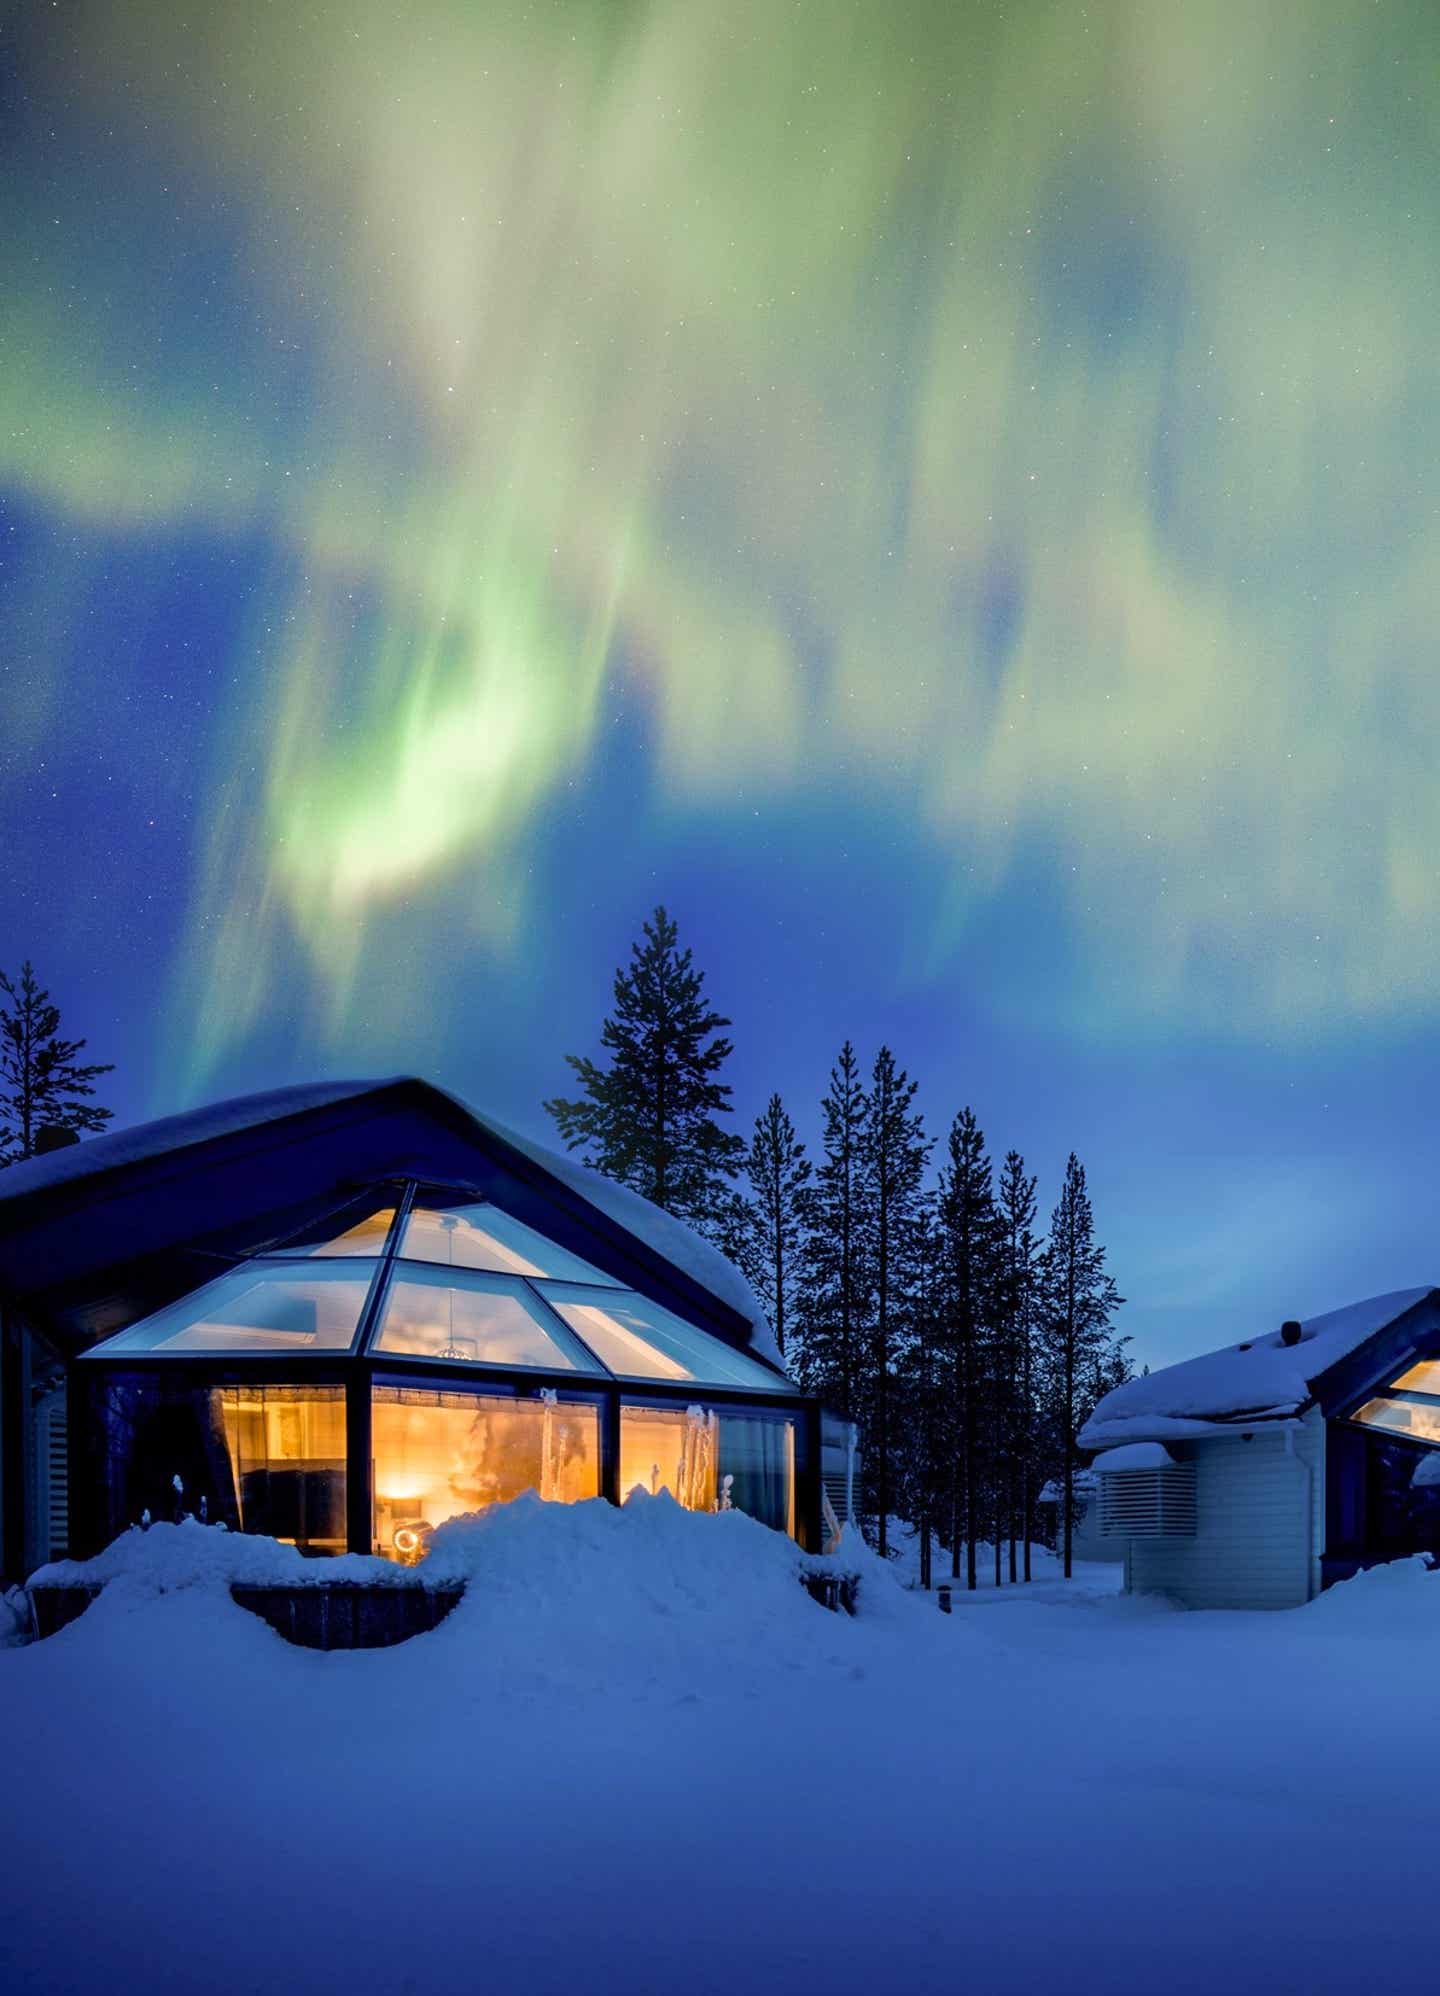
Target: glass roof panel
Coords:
[(1415, 1418), (481, 1236), (258, 1308), (365, 1236), (639, 1339), (484, 1319), (1421, 1378)]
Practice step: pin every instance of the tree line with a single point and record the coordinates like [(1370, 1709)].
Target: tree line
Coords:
[(908, 1281)]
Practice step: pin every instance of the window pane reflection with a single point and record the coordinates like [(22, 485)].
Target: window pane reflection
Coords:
[(440, 1454), (638, 1339), (256, 1308), (484, 1322), (481, 1236)]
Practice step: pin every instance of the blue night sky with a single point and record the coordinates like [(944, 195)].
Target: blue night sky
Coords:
[(947, 498)]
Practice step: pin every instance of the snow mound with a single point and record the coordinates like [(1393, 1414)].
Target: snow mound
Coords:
[(1262, 1378), (550, 1587), (1400, 1600)]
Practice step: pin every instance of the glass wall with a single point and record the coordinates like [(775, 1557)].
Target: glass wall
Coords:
[(712, 1459), (257, 1458), (437, 1454)]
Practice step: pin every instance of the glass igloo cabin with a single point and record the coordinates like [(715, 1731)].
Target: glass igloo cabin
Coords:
[(403, 1313)]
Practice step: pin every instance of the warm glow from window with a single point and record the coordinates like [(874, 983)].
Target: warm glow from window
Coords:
[(287, 1461), (674, 1449), (438, 1455)]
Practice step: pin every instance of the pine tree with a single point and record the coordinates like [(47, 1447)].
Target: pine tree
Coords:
[(968, 1233), (1079, 1302), (925, 1387), (42, 1084), (648, 1119), (895, 1154), (1018, 1300), (779, 1175), (835, 1302)]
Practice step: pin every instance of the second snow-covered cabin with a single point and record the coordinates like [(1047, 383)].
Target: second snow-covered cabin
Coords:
[(1254, 1476)]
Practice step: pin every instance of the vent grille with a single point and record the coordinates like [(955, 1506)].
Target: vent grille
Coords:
[(1148, 1503), (51, 1479)]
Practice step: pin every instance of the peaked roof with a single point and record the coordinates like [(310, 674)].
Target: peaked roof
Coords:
[(38, 1181), (1259, 1379)]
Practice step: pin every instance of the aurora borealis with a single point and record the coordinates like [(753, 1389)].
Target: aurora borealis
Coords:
[(948, 496)]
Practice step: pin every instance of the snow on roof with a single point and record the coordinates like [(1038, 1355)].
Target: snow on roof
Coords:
[(1261, 1379), (660, 1231), (1135, 1455), (116, 1148)]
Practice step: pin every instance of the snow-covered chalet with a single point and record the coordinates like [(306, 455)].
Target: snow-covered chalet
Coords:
[(1257, 1475)]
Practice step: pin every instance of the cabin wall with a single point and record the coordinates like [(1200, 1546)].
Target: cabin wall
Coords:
[(1260, 1507)]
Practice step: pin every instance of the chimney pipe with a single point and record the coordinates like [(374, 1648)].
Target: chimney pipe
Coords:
[(1290, 1332)]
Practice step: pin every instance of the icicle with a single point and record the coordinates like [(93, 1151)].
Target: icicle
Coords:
[(549, 1466)]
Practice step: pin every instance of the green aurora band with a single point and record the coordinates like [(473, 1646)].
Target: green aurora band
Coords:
[(1025, 417)]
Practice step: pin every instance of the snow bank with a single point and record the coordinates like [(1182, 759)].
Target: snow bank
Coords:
[(165, 1557), (1261, 1378)]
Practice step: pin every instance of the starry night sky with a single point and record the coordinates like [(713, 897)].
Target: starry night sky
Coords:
[(946, 497)]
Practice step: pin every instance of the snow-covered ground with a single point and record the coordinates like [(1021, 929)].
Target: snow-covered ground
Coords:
[(638, 1758)]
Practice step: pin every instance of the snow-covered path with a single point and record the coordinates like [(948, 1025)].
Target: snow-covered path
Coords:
[(640, 1759)]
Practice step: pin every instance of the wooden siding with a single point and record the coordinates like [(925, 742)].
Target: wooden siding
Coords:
[(1260, 1507)]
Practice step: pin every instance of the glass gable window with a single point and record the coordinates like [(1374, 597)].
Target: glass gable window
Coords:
[(638, 1339), (485, 1319), (258, 1308), (481, 1236), (440, 1454)]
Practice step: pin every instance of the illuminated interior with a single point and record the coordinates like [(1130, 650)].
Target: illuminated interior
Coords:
[(287, 1461), (669, 1448), (438, 1454)]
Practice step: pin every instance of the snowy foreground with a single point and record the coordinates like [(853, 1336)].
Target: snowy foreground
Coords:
[(639, 1758)]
